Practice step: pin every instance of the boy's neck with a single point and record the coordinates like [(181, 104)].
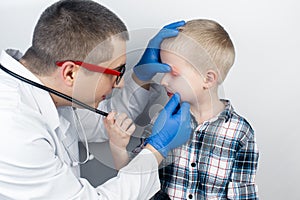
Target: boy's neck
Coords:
[(207, 109)]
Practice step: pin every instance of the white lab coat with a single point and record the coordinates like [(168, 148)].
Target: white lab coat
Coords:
[(34, 163)]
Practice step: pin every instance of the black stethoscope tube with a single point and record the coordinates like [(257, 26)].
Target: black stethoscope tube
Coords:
[(57, 93)]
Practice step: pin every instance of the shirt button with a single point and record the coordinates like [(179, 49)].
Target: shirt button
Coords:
[(193, 164), (190, 196)]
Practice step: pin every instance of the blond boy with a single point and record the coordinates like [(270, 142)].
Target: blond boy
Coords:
[(220, 160)]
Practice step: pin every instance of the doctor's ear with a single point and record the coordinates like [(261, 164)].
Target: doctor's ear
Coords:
[(210, 79), (69, 72)]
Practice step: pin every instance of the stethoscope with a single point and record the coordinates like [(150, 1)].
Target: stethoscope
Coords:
[(55, 92), (68, 98)]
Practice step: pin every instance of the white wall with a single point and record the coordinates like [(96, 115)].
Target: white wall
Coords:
[(263, 84)]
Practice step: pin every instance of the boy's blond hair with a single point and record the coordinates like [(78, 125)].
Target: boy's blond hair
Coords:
[(204, 44)]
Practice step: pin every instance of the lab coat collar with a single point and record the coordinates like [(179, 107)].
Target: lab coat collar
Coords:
[(64, 125), (9, 59)]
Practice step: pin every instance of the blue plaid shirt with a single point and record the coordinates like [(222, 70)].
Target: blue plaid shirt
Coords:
[(218, 162)]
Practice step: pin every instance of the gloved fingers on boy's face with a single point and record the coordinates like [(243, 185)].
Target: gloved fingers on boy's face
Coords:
[(175, 24), (166, 33), (160, 68), (172, 104), (162, 34), (184, 110)]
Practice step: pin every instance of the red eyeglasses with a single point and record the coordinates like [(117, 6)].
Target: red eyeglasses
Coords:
[(118, 71)]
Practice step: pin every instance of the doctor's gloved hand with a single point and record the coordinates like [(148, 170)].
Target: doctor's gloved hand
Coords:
[(172, 127), (150, 63)]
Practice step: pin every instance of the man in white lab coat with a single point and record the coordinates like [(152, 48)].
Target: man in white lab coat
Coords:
[(38, 146)]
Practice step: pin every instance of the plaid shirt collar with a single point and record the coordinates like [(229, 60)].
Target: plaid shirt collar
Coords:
[(225, 115)]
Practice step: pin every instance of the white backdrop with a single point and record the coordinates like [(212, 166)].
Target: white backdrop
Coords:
[(263, 84)]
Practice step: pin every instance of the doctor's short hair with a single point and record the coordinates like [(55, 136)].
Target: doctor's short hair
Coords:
[(71, 30), (205, 44)]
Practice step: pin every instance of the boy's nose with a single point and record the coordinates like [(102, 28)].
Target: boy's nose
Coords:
[(165, 80)]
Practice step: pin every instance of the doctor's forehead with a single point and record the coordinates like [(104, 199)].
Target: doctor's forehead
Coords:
[(118, 51), (119, 46)]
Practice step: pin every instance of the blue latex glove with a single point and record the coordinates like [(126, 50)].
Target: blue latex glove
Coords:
[(150, 63), (172, 127)]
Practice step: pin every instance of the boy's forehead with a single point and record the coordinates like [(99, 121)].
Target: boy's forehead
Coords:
[(198, 59), (181, 64), (171, 58), (174, 57), (171, 55)]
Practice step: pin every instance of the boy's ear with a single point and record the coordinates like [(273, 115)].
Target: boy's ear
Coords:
[(69, 72), (210, 79)]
